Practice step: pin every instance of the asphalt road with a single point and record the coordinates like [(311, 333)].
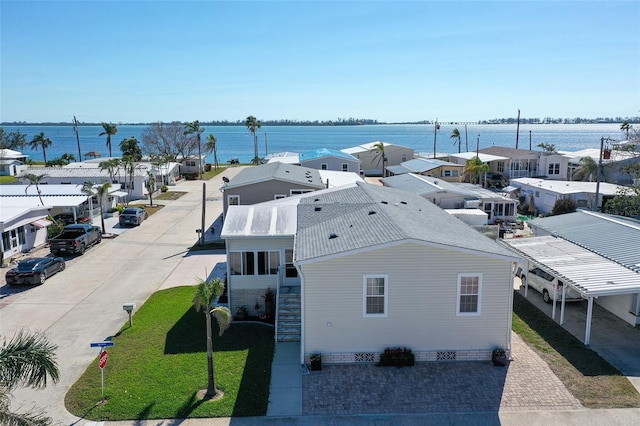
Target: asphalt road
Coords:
[(83, 304)]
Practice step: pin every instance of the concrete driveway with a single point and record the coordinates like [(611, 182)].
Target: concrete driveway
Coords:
[(84, 303)]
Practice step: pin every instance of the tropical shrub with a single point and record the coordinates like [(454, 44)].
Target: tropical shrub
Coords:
[(397, 357)]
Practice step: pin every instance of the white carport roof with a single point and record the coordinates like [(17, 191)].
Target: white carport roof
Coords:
[(587, 272)]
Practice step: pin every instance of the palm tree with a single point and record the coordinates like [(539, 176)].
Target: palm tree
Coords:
[(100, 191), (455, 134), (253, 124), (625, 127), (131, 146), (129, 166), (26, 360), (35, 180), (206, 294), (111, 165), (109, 130), (379, 148), (476, 168), (151, 186), (194, 127), (43, 141), (587, 170), (211, 147)]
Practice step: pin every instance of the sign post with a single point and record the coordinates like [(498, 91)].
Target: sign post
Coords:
[(104, 356)]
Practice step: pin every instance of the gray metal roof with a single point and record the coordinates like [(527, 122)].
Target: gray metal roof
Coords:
[(587, 272), (277, 171), (421, 165), (421, 185), (613, 237), (368, 215)]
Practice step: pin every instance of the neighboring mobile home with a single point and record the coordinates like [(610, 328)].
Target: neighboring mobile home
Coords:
[(371, 160), (330, 159), (372, 268), (445, 170)]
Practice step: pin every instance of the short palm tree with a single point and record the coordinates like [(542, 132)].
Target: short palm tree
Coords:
[(35, 180), (109, 130), (455, 134), (253, 124), (100, 191), (129, 166), (42, 141), (26, 360), (206, 294), (378, 147), (587, 170), (475, 167), (194, 127), (211, 147), (151, 186), (111, 165), (625, 127)]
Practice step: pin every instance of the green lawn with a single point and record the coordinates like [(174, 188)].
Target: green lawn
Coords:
[(7, 179), (157, 366), (591, 379)]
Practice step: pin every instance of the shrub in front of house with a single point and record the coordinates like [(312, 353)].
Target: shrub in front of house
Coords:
[(397, 357)]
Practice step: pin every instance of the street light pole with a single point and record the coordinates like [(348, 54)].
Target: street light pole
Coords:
[(598, 174)]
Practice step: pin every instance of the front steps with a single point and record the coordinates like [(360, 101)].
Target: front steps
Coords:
[(289, 324)]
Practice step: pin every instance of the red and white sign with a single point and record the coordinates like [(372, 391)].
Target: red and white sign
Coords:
[(104, 356)]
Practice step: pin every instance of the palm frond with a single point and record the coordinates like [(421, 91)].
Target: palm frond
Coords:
[(222, 314), (27, 360)]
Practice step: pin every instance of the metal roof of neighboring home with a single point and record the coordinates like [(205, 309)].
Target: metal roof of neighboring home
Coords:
[(22, 190), (277, 171), (421, 165), (325, 152), (367, 216), (424, 185), (614, 237), (77, 172), (365, 147), (504, 151), (567, 187), (586, 271), (334, 178), (485, 158)]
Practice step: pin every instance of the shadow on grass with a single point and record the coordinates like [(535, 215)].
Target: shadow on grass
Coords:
[(188, 407), (583, 359), (144, 414), (188, 334)]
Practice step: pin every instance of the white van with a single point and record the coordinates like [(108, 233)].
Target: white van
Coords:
[(543, 282)]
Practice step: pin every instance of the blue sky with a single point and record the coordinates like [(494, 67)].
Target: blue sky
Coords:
[(147, 61)]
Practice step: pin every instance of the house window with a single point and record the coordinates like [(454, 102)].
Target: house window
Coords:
[(404, 157), (21, 236), (323, 166), (345, 167), (375, 295), (279, 196), (447, 173), (233, 200), (500, 167), (254, 263), (290, 269), (554, 168), (454, 173), (300, 191), (469, 289), (191, 163)]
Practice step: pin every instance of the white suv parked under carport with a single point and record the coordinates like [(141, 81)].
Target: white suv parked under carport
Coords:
[(543, 282)]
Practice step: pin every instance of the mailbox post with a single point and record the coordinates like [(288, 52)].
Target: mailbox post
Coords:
[(129, 307)]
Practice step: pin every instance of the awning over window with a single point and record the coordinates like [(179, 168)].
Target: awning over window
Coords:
[(120, 194), (509, 189), (41, 223)]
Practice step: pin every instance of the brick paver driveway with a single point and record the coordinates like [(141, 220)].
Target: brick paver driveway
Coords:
[(526, 384)]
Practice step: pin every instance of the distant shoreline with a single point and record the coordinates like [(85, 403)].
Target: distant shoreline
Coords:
[(359, 122)]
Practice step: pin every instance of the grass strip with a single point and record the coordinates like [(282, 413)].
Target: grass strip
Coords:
[(157, 366), (588, 376)]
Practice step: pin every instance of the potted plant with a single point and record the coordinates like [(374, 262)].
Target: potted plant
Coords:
[(242, 313), (499, 357), (269, 302), (316, 361)]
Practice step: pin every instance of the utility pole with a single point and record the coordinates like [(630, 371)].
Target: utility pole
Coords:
[(204, 203), (478, 147), (435, 132), (598, 175), (529, 140), (466, 138), (75, 128), (266, 146), (518, 130)]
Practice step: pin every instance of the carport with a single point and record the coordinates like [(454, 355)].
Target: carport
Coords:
[(587, 272)]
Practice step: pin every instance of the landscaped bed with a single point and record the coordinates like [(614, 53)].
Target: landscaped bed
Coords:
[(157, 366), (590, 378)]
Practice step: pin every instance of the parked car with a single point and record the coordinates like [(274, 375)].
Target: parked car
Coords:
[(132, 216), (35, 270), (75, 239), (543, 282)]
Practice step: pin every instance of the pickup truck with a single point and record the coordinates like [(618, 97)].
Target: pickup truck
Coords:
[(75, 239)]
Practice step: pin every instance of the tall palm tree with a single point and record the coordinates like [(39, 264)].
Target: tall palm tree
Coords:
[(381, 155), (205, 295), (455, 134), (35, 180), (253, 124), (211, 147), (151, 186), (109, 130), (26, 360), (43, 141), (131, 146), (587, 170), (475, 167), (194, 127), (100, 191), (625, 127)]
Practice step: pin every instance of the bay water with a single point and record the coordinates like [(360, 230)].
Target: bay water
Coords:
[(237, 141)]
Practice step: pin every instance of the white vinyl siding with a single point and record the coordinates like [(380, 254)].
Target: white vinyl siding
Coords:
[(375, 294), (421, 312), (469, 291)]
